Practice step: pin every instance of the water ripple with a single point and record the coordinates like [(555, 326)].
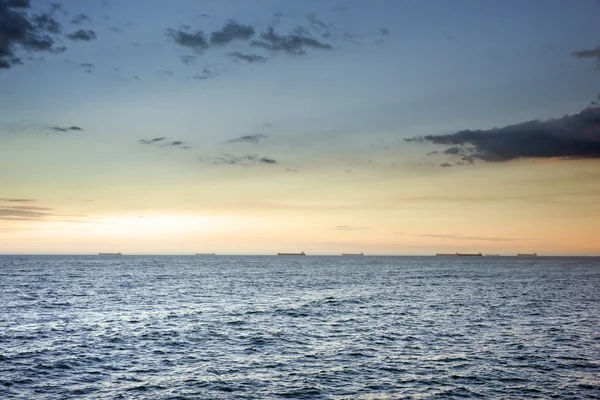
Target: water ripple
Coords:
[(302, 328)]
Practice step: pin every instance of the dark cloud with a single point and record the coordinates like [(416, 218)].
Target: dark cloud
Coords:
[(13, 200), (196, 41), (349, 228), (571, 136), (445, 165), (229, 159), (249, 58), (81, 34), (116, 30), (20, 31), (231, 31), (482, 238), (454, 150), (46, 22), (384, 32), (67, 129), (151, 141), (589, 53), (80, 19), (16, 3), (248, 139), (291, 44), (177, 143), (267, 160)]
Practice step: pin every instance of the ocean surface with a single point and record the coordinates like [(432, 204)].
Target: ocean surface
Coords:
[(133, 327)]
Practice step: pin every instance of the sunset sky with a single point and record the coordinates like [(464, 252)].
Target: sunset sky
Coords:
[(252, 127)]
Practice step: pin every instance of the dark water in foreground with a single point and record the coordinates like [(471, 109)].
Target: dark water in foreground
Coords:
[(306, 327)]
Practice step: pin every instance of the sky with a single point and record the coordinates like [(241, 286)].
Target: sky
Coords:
[(254, 127)]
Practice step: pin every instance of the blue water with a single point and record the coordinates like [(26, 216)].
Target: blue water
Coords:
[(299, 327)]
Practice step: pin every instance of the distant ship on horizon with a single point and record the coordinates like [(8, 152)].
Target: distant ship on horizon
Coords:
[(292, 254), (527, 255), (110, 254), (459, 255), (206, 254), (353, 254)]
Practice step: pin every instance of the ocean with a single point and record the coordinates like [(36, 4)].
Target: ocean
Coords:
[(193, 327)]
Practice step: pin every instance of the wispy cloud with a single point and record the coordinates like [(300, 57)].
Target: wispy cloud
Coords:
[(588, 54), (249, 159), (16, 213), (151, 141), (316, 22), (295, 43), (349, 228), (16, 200), (558, 198), (80, 19), (206, 73), (87, 67), (188, 59), (38, 213), (66, 129), (454, 236), (249, 58), (572, 136), (161, 141), (248, 139)]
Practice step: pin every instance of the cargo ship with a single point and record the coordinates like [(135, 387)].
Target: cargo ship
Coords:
[(459, 255), (292, 254), (205, 254), (110, 254), (527, 255), (353, 254)]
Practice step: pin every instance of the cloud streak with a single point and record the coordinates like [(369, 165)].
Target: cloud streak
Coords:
[(294, 44), (588, 54), (163, 143), (16, 200), (249, 159), (67, 129), (572, 136), (248, 139), (349, 228), (151, 141), (249, 58)]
